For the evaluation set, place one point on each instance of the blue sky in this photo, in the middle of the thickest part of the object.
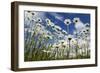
(85, 18)
(58, 19)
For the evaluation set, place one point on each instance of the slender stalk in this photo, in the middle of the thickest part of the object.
(69, 42)
(87, 48)
(76, 44)
(68, 50)
(67, 28)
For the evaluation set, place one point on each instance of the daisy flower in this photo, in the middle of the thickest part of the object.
(48, 21)
(57, 27)
(64, 32)
(70, 37)
(87, 24)
(29, 15)
(67, 21)
(39, 20)
(47, 36)
(73, 41)
(76, 20)
(79, 25)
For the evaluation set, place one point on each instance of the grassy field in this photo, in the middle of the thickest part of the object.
(46, 53)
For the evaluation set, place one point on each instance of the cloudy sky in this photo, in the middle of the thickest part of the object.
(58, 19)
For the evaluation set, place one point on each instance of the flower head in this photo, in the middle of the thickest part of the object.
(57, 27)
(47, 36)
(60, 35)
(56, 45)
(87, 29)
(76, 20)
(39, 20)
(38, 25)
(48, 21)
(52, 24)
(70, 37)
(39, 28)
(33, 20)
(64, 32)
(29, 15)
(87, 25)
(63, 44)
(67, 21)
(82, 31)
(73, 41)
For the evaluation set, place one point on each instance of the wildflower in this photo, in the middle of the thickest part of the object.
(47, 36)
(76, 20)
(33, 20)
(48, 21)
(39, 28)
(79, 25)
(52, 25)
(56, 45)
(73, 41)
(67, 21)
(39, 20)
(87, 25)
(29, 15)
(63, 43)
(46, 51)
(57, 27)
(70, 37)
(60, 35)
(87, 29)
(64, 32)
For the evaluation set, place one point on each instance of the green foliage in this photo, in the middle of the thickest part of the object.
(34, 51)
